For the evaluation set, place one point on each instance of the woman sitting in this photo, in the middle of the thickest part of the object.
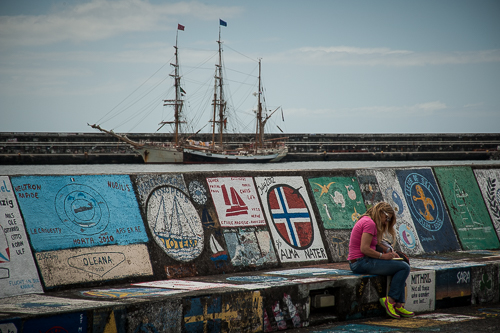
(364, 259)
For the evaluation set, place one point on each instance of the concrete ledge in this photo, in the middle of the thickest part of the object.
(226, 251)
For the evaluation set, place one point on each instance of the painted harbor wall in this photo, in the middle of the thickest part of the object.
(64, 232)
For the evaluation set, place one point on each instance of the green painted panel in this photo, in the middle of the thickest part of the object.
(466, 208)
(339, 201)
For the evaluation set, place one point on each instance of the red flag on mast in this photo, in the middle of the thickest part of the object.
(180, 27)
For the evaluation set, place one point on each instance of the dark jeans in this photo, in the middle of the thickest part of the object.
(399, 270)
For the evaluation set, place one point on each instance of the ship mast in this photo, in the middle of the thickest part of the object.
(219, 115)
(259, 132)
(177, 103)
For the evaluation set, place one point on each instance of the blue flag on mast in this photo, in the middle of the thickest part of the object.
(223, 23)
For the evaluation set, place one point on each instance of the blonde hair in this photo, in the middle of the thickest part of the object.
(374, 213)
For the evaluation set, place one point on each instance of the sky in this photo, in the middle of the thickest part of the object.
(328, 66)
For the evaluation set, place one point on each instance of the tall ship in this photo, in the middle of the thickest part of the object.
(161, 152)
(185, 150)
(259, 151)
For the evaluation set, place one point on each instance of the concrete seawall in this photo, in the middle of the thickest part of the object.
(253, 251)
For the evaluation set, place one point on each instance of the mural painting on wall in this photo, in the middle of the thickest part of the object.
(369, 187)
(407, 240)
(485, 284)
(338, 243)
(107, 321)
(489, 183)
(293, 225)
(467, 209)
(214, 239)
(68, 322)
(18, 273)
(173, 222)
(233, 312)
(421, 291)
(427, 209)
(64, 212)
(240, 215)
(453, 285)
(284, 310)
(339, 201)
(80, 227)
(100, 263)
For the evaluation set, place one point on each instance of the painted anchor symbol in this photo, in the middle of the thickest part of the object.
(426, 201)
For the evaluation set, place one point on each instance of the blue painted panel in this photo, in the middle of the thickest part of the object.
(427, 210)
(63, 212)
(70, 322)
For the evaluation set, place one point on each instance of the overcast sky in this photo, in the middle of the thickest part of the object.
(374, 66)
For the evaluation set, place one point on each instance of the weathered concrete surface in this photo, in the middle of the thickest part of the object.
(210, 251)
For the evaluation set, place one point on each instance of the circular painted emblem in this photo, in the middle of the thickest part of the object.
(256, 278)
(407, 236)
(198, 192)
(290, 216)
(174, 223)
(82, 209)
(399, 202)
(424, 202)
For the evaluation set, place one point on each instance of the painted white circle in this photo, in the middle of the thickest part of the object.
(174, 223)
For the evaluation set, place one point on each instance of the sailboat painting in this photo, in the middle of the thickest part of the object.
(175, 224)
(219, 255)
(236, 201)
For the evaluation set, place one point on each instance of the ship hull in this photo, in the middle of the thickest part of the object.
(200, 156)
(153, 154)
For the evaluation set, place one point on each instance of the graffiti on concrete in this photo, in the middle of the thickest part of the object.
(68, 322)
(198, 192)
(236, 201)
(338, 243)
(369, 187)
(175, 223)
(18, 273)
(107, 320)
(293, 225)
(284, 314)
(421, 291)
(484, 284)
(183, 284)
(64, 212)
(427, 209)
(232, 312)
(93, 264)
(120, 293)
(35, 304)
(489, 183)
(339, 201)
(250, 247)
(310, 272)
(467, 209)
(407, 236)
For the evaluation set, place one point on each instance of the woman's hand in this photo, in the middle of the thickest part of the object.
(389, 255)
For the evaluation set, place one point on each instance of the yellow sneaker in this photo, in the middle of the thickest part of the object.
(404, 313)
(389, 308)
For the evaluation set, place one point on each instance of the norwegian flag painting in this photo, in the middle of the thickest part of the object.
(291, 216)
